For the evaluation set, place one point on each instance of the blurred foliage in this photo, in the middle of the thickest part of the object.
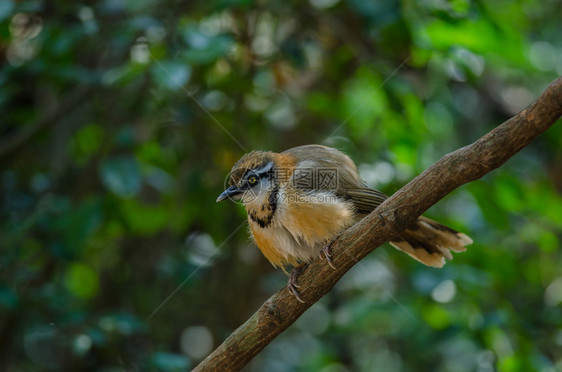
(120, 119)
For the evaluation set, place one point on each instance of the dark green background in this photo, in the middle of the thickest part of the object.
(114, 146)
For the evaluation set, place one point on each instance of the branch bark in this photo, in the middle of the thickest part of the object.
(394, 215)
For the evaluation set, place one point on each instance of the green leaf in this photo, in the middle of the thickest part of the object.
(204, 48)
(121, 175)
(123, 74)
(144, 219)
(80, 223)
(363, 102)
(81, 280)
(86, 142)
(509, 364)
(548, 241)
(480, 36)
(509, 193)
(171, 75)
(493, 212)
(436, 316)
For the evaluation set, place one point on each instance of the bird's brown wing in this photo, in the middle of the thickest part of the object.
(321, 168)
(365, 199)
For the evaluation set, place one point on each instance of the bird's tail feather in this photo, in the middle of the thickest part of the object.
(430, 242)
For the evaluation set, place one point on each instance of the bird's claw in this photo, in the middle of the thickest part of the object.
(292, 284)
(325, 254)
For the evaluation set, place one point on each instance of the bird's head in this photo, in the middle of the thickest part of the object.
(251, 178)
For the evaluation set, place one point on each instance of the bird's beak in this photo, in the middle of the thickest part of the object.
(228, 193)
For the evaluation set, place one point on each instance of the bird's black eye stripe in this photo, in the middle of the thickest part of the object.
(252, 176)
(263, 174)
(268, 173)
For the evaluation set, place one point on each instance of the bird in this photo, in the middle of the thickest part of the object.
(300, 200)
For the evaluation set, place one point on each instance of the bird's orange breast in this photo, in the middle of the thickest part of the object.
(315, 217)
(303, 222)
(269, 246)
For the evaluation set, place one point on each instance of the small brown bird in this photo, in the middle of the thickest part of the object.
(299, 200)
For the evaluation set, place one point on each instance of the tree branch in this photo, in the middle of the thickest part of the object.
(394, 215)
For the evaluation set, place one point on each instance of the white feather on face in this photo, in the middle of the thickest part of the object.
(256, 196)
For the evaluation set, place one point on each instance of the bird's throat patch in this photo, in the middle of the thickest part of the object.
(263, 215)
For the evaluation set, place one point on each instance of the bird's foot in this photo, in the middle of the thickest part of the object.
(292, 284)
(325, 253)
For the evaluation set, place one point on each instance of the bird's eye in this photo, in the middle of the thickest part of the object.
(252, 180)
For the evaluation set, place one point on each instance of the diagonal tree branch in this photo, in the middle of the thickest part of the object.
(395, 214)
